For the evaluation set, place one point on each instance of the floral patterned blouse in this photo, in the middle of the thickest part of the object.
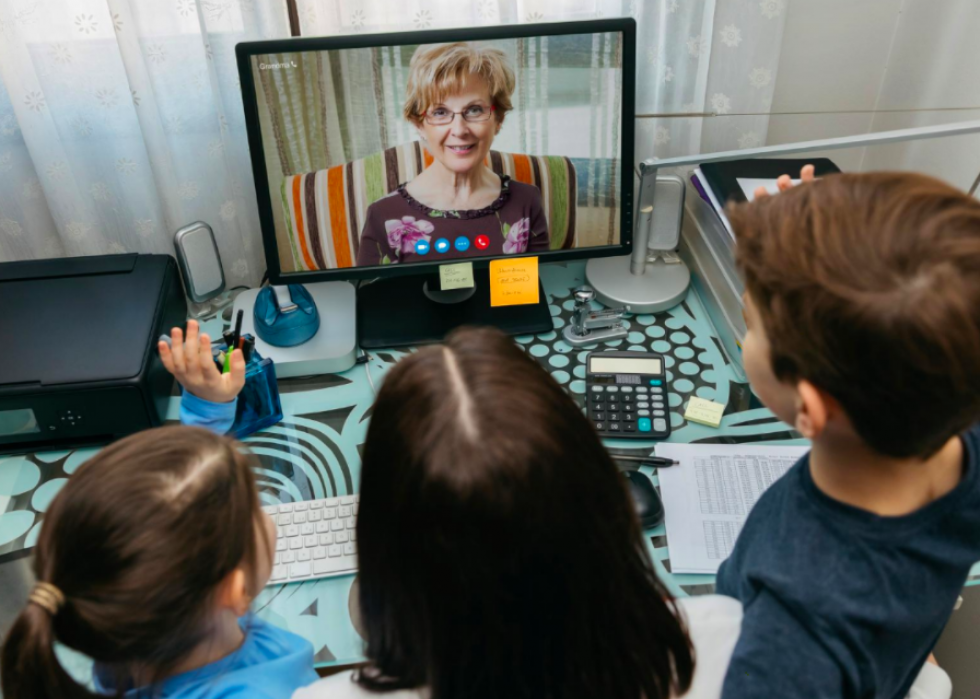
(398, 228)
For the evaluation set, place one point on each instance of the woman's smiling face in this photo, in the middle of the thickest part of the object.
(461, 145)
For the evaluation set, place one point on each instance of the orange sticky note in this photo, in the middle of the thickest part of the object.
(514, 281)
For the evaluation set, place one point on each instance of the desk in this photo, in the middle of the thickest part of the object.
(315, 451)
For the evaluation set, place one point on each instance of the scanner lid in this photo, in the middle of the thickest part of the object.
(76, 320)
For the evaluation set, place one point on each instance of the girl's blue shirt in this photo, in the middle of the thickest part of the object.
(270, 664)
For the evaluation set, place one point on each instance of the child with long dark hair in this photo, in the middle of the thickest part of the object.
(499, 551)
(147, 562)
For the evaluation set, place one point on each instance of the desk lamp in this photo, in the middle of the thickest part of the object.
(646, 282)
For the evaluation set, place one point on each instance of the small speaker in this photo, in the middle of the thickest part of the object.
(200, 263)
(668, 212)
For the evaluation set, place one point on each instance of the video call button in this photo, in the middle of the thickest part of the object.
(442, 245)
(482, 242)
(462, 243)
(421, 247)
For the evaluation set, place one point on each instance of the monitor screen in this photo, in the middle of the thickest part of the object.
(434, 147)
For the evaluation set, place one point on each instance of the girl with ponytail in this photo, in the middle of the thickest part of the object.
(147, 562)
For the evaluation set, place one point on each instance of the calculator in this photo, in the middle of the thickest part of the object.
(626, 394)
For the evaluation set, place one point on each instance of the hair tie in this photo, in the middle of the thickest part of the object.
(48, 597)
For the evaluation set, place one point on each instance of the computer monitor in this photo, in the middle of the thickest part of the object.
(356, 142)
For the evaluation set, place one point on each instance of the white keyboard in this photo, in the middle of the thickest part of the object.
(316, 539)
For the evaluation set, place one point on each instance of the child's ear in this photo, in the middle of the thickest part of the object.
(233, 593)
(814, 409)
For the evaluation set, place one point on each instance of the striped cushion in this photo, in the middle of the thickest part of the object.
(324, 210)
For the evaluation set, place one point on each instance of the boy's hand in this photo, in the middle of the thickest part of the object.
(190, 361)
(786, 182)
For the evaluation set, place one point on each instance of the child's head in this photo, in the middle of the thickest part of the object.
(499, 551)
(149, 543)
(863, 303)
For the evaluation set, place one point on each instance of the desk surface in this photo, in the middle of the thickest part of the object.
(315, 451)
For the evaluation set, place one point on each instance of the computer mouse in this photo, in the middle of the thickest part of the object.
(649, 507)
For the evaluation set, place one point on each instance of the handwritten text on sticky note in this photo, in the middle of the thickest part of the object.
(458, 276)
(514, 282)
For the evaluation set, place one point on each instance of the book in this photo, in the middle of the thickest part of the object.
(736, 180)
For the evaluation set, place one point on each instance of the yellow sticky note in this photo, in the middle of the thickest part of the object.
(458, 276)
(705, 412)
(514, 281)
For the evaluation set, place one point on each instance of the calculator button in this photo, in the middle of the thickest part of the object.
(641, 389)
(643, 424)
(613, 389)
(642, 412)
(614, 427)
(598, 416)
(660, 425)
(600, 426)
(627, 389)
(629, 427)
(655, 382)
(628, 399)
(614, 417)
(658, 413)
(628, 417)
(597, 389)
(656, 390)
(642, 404)
(658, 405)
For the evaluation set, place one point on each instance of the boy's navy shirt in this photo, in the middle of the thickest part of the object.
(840, 602)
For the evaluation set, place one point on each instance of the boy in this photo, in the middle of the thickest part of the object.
(863, 312)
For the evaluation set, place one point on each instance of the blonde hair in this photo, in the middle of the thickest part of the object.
(441, 69)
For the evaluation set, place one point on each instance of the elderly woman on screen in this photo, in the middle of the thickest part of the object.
(458, 96)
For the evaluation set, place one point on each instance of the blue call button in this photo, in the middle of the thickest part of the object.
(462, 243)
(442, 245)
(422, 247)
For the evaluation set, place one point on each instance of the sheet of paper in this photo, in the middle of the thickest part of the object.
(710, 493)
(514, 281)
(750, 184)
(458, 276)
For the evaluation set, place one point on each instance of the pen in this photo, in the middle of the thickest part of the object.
(234, 340)
(659, 461)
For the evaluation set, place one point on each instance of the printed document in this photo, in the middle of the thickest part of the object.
(710, 493)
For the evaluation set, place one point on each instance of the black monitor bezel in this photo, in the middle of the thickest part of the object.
(244, 51)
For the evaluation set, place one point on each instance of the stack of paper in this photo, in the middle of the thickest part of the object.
(708, 496)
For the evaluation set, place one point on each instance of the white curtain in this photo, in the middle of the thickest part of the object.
(121, 120)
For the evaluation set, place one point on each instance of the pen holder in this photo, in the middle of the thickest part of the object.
(258, 404)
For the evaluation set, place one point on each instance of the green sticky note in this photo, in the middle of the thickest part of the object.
(458, 276)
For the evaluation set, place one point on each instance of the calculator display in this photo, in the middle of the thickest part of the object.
(624, 365)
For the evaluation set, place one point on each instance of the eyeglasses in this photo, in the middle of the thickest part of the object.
(475, 113)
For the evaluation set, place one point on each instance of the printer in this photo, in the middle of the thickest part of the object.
(78, 360)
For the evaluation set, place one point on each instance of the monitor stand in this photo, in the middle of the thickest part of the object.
(401, 311)
(334, 347)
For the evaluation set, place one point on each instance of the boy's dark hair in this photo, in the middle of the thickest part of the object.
(868, 286)
(499, 551)
(137, 541)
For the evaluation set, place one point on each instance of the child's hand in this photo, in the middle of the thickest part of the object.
(190, 361)
(786, 182)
